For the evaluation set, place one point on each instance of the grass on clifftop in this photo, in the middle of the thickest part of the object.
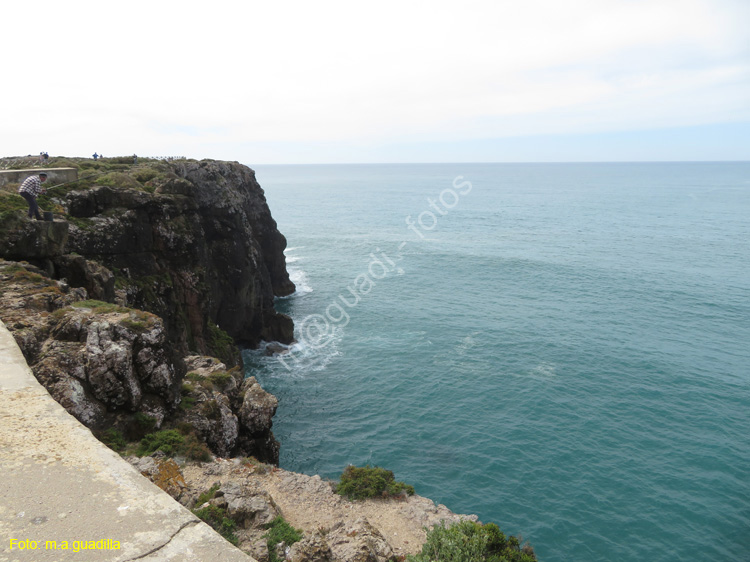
(358, 483)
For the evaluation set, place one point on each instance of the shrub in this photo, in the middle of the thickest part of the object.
(211, 409)
(140, 426)
(167, 440)
(280, 531)
(145, 174)
(220, 378)
(217, 518)
(195, 450)
(118, 179)
(113, 439)
(370, 482)
(468, 541)
(207, 495)
(187, 402)
(219, 343)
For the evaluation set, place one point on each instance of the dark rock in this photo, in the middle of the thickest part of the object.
(98, 281)
(203, 250)
(33, 240)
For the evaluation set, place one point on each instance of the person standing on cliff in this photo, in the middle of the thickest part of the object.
(30, 190)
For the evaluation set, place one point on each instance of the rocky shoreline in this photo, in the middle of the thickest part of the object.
(127, 308)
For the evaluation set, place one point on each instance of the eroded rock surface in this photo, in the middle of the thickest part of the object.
(334, 529)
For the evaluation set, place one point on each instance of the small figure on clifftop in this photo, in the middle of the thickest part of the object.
(96, 156)
(30, 189)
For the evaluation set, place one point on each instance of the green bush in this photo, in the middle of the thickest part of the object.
(220, 378)
(217, 518)
(468, 541)
(169, 441)
(195, 449)
(113, 439)
(280, 531)
(219, 343)
(207, 495)
(370, 482)
(140, 426)
(118, 179)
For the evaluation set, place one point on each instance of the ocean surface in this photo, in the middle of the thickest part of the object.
(563, 349)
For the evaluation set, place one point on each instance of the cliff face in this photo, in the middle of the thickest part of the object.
(202, 250)
(189, 259)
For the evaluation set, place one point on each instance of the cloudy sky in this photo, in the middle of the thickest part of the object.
(388, 81)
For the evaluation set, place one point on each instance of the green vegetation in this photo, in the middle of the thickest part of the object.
(172, 442)
(211, 409)
(140, 426)
(169, 441)
(187, 401)
(113, 439)
(207, 495)
(220, 378)
(100, 307)
(219, 343)
(370, 482)
(217, 518)
(118, 180)
(468, 541)
(195, 449)
(280, 531)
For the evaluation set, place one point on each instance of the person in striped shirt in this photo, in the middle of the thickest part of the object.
(30, 189)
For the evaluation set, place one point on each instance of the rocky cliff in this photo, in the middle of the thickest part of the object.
(192, 242)
(183, 260)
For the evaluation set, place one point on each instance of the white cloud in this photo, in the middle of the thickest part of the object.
(163, 77)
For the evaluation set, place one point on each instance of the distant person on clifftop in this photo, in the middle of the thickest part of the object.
(96, 156)
(30, 190)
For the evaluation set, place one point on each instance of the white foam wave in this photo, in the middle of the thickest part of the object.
(300, 280)
(302, 358)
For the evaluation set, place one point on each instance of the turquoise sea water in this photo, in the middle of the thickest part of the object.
(559, 348)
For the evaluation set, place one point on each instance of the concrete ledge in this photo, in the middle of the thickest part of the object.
(59, 483)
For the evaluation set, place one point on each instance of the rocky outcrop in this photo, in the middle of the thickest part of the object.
(253, 494)
(231, 414)
(184, 259)
(114, 367)
(33, 240)
(192, 242)
(201, 250)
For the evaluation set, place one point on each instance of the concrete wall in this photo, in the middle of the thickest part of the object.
(58, 483)
(54, 175)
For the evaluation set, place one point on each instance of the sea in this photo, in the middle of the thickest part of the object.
(562, 349)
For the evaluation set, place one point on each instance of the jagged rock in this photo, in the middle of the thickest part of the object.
(249, 507)
(216, 397)
(202, 250)
(98, 281)
(163, 472)
(258, 407)
(313, 548)
(33, 240)
(359, 542)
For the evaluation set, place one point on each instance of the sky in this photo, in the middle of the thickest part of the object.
(389, 81)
